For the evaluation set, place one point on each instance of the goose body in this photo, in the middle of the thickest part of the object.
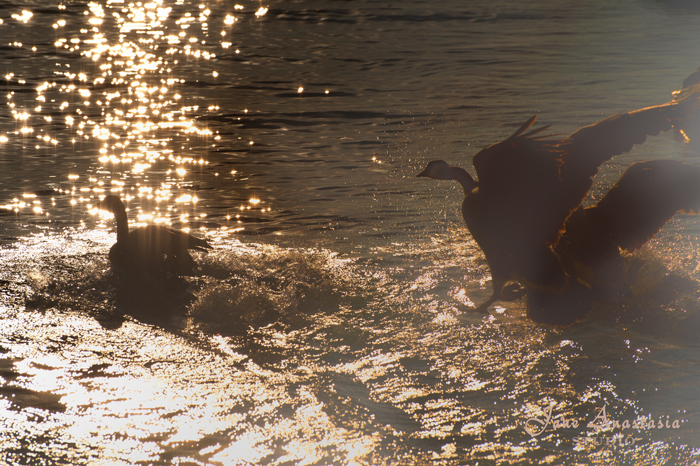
(529, 192)
(153, 248)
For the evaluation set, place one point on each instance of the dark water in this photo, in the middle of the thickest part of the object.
(330, 323)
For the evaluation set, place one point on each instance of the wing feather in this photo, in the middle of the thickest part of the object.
(641, 202)
(586, 149)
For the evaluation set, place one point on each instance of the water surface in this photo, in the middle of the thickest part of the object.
(331, 323)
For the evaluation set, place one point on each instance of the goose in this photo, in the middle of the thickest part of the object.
(152, 248)
(639, 204)
(529, 192)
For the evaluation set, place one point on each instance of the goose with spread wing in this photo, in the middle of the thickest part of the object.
(529, 185)
(153, 248)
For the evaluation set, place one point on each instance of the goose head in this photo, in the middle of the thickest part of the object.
(441, 170)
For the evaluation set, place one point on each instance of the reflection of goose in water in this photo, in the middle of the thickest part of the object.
(153, 248)
(529, 185)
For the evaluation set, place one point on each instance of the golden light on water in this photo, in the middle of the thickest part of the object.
(368, 359)
(24, 17)
(129, 106)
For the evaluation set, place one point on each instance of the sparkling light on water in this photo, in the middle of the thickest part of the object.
(128, 108)
(336, 327)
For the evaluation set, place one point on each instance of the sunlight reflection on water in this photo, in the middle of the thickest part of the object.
(128, 110)
(340, 332)
(329, 378)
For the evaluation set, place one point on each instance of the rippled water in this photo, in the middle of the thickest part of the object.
(331, 323)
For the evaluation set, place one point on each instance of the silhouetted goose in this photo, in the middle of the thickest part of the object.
(638, 205)
(530, 184)
(153, 248)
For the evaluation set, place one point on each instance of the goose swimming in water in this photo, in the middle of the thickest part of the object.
(529, 192)
(153, 248)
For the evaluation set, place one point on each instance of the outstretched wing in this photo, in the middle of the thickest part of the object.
(689, 129)
(184, 241)
(519, 181)
(517, 162)
(586, 149)
(539, 180)
(641, 202)
(156, 241)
